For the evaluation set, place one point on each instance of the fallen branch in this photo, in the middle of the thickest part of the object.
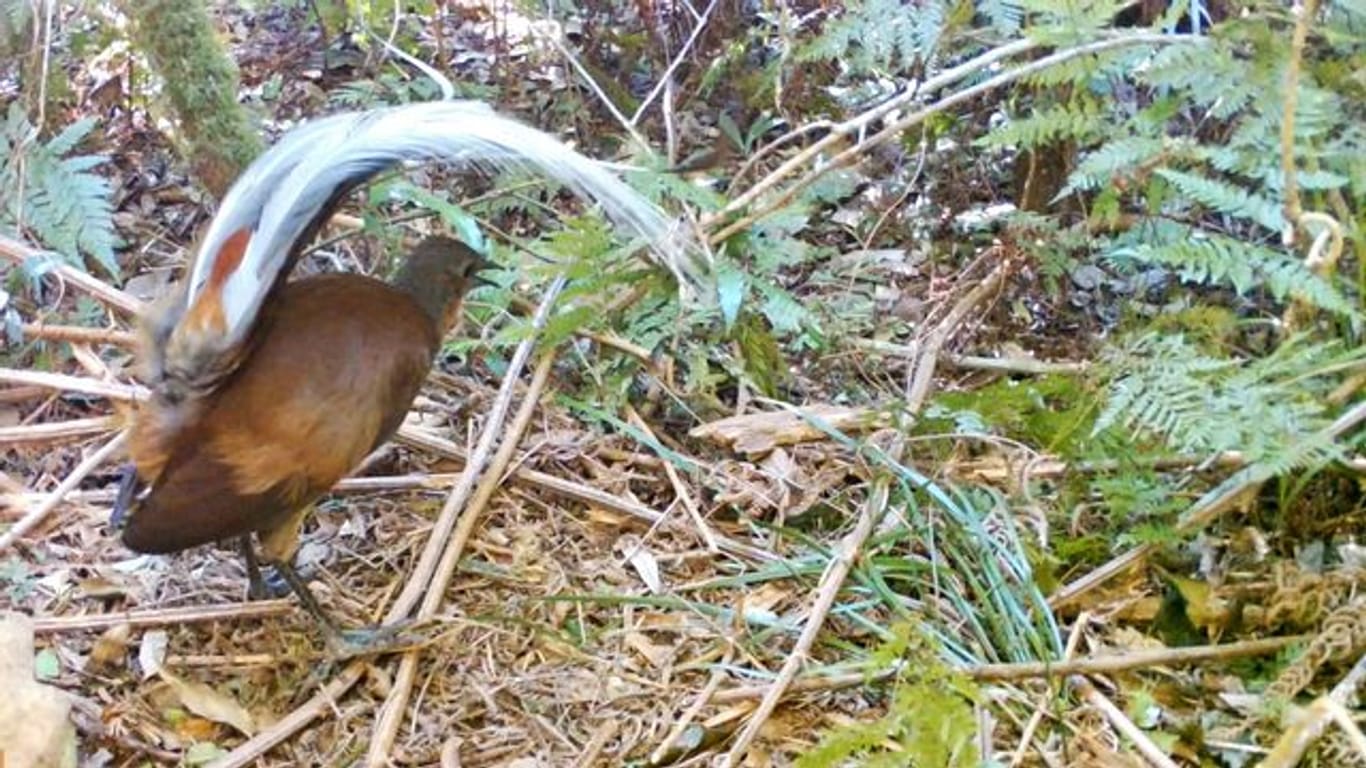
(841, 562)
(20, 253)
(57, 430)
(162, 617)
(391, 712)
(1094, 665)
(78, 334)
(59, 381)
(82, 470)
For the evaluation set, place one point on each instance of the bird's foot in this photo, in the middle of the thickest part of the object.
(266, 586)
(383, 638)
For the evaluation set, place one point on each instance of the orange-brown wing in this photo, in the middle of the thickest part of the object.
(337, 363)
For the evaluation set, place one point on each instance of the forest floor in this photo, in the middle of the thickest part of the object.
(635, 585)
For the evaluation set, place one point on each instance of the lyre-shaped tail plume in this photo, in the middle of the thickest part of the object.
(286, 193)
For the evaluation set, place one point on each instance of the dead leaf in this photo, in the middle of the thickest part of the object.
(641, 559)
(99, 588)
(758, 433)
(110, 648)
(657, 655)
(209, 703)
(152, 652)
(35, 727)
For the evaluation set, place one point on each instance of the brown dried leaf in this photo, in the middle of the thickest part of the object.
(111, 647)
(759, 433)
(35, 727)
(209, 703)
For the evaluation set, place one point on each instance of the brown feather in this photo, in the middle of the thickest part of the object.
(339, 361)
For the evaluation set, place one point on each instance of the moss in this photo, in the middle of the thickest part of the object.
(218, 137)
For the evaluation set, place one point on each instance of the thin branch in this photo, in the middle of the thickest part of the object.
(680, 489)
(1290, 175)
(438, 560)
(1154, 755)
(1047, 696)
(19, 253)
(91, 463)
(569, 56)
(892, 131)
(78, 334)
(251, 750)
(162, 617)
(1093, 665)
(109, 389)
(57, 430)
(841, 562)
(673, 65)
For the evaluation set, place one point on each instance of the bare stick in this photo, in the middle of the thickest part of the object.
(680, 490)
(162, 617)
(82, 470)
(673, 65)
(251, 750)
(1028, 735)
(1094, 665)
(1289, 174)
(57, 430)
(1325, 710)
(576, 491)
(1121, 722)
(427, 583)
(860, 122)
(18, 253)
(108, 389)
(890, 132)
(841, 561)
(922, 376)
(629, 127)
(76, 333)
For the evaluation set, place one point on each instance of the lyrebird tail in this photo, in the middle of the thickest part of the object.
(288, 192)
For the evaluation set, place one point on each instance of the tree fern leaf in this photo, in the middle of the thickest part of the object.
(1226, 198)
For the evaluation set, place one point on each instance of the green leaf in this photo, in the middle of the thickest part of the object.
(203, 753)
(46, 665)
(731, 287)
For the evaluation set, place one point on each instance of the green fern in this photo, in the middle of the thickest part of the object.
(877, 35)
(929, 719)
(1205, 258)
(1082, 120)
(55, 197)
(1268, 408)
(1097, 167)
(1226, 197)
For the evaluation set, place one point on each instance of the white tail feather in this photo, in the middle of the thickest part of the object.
(285, 190)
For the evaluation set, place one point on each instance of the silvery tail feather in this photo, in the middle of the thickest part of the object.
(287, 191)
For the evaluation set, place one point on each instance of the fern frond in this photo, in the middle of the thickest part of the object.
(1065, 121)
(876, 35)
(1097, 167)
(1216, 260)
(58, 198)
(1227, 198)
(1270, 408)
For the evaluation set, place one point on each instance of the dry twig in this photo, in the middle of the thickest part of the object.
(91, 463)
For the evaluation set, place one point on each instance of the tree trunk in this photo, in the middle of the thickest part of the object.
(217, 135)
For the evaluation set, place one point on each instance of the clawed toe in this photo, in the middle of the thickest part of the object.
(384, 638)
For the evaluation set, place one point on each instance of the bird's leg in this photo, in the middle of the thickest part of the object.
(305, 595)
(277, 546)
(346, 643)
(257, 588)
